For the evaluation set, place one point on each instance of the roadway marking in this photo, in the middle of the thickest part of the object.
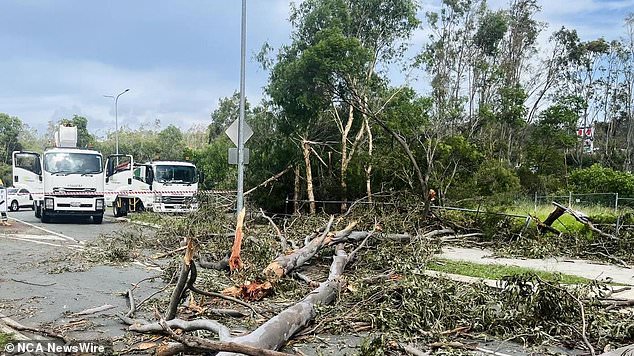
(25, 238)
(46, 230)
(38, 237)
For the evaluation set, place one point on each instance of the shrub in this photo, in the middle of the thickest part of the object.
(494, 177)
(597, 179)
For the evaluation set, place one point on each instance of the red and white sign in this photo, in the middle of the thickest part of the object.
(585, 131)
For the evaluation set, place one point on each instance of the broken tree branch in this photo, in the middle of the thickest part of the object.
(282, 265)
(17, 326)
(283, 243)
(94, 310)
(234, 261)
(212, 345)
(217, 328)
(179, 290)
(272, 178)
(221, 265)
(132, 303)
(190, 286)
(274, 333)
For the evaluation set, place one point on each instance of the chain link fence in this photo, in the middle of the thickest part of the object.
(610, 201)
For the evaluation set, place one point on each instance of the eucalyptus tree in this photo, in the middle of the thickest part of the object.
(332, 72)
(583, 74)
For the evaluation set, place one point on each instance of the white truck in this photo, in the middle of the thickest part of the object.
(158, 186)
(64, 181)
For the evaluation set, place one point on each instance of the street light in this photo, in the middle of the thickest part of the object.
(116, 117)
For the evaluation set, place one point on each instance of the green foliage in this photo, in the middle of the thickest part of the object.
(213, 162)
(147, 143)
(84, 138)
(490, 32)
(4, 339)
(597, 179)
(550, 137)
(498, 271)
(171, 144)
(227, 111)
(456, 160)
(10, 127)
(494, 177)
(6, 174)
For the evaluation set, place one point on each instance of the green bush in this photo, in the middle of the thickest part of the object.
(493, 177)
(597, 179)
(5, 174)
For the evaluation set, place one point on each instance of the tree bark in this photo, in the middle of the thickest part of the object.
(234, 261)
(309, 178)
(274, 333)
(296, 191)
(282, 265)
(181, 283)
(271, 335)
(368, 168)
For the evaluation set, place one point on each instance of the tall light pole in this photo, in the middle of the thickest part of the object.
(116, 117)
(243, 50)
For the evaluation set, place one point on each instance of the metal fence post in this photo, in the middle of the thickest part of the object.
(570, 199)
(616, 203)
(535, 202)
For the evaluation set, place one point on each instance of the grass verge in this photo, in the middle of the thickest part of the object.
(496, 272)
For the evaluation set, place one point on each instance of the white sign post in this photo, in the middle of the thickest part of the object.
(4, 205)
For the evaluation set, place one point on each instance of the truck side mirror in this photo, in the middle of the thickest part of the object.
(201, 177)
(38, 169)
(149, 175)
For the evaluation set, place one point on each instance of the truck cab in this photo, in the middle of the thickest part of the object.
(158, 186)
(64, 181)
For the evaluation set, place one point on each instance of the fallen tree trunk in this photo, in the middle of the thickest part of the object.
(274, 333)
(579, 216)
(284, 264)
(271, 335)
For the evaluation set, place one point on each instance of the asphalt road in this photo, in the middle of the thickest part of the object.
(79, 229)
(45, 281)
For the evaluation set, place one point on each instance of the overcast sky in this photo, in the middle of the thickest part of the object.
(59, 57)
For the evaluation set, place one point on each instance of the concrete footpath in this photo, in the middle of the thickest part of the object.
(581, 268)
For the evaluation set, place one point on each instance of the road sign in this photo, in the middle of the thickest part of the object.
(232, 132)
(233, 155)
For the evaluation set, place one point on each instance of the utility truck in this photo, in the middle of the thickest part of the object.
(64, 180)
(158, 186)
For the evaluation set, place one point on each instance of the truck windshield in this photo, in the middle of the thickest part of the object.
(175, 174)
(72, 163)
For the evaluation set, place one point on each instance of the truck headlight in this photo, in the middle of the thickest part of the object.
(48, 204)
(157, 198)
(99, 204)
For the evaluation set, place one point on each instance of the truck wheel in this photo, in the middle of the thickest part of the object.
(116, 211)
(15, 206)
(119, 211)
(38, 211)
(97, 219)
(45, 217)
